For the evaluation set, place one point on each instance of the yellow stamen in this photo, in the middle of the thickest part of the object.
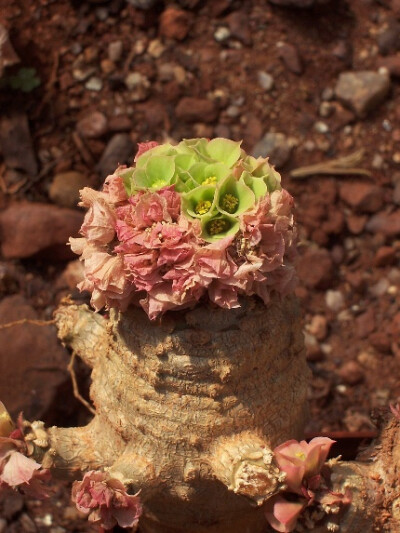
(300, 455)
(217, 226)
(229, 203)
(210, 181)
(202, 207)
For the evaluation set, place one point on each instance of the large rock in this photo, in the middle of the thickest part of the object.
(65, 187)
(386, 223)
(32, 362)
(362, 196)
(93, 125)
(290, 57)
(28, 228)
(192, 109)
(276, 146)
(175, 23)
(315, 268)
(362, 91)
(119, 151)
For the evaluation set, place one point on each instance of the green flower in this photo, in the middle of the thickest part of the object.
(260, 168)
(257, 185)
(234, 197)
(215, 227)
(157, 172)
(199, 201)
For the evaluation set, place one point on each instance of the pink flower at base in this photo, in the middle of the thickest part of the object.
(106, 501)
(282, 514)
(302, 462)
(17, 471)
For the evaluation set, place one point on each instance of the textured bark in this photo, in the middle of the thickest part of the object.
(188, 408)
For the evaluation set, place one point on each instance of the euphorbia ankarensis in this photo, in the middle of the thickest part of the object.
(195, 220)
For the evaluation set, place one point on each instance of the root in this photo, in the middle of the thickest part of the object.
(27, 321)
(75, 387)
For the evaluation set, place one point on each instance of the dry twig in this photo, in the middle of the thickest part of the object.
(336, 167)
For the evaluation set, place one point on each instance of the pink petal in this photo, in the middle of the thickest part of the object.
(18, 469)
(143, 147)
(281, 514)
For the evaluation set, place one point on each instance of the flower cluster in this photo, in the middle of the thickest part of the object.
(106, 501)
(302, 463)
(17, 471)
(199, 219)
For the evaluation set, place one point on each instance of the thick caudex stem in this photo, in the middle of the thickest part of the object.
(189, 409)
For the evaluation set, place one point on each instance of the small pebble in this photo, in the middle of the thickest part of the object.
(221, 34)
(94, 84)
(327, 94)
(156, 48)
(380, 288)
(115, 51)
(377, 161)
(102, 13)
(265, 80)
(334, 300)
(321, 127)
(326, 109)
(351, 373)
(76, 48)
(233, 111)
(318, 327)
(386, 125)
(82, 73)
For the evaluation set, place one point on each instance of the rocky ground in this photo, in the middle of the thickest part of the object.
(83, 81)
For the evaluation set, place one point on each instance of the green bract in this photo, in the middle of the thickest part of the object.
(234, 197)
(217, 180)
(215, 227)
(199, 201)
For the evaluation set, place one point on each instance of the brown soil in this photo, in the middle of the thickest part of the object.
(353, 344)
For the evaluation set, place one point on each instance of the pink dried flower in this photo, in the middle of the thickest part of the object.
(143, 147)
(302, 462)
(99, 223)
(106, 501)
(18, 471)
(114, 188)
(104, 275)
(282, 514)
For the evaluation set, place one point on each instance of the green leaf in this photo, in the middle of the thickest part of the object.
(25, 80)
(224, 151)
